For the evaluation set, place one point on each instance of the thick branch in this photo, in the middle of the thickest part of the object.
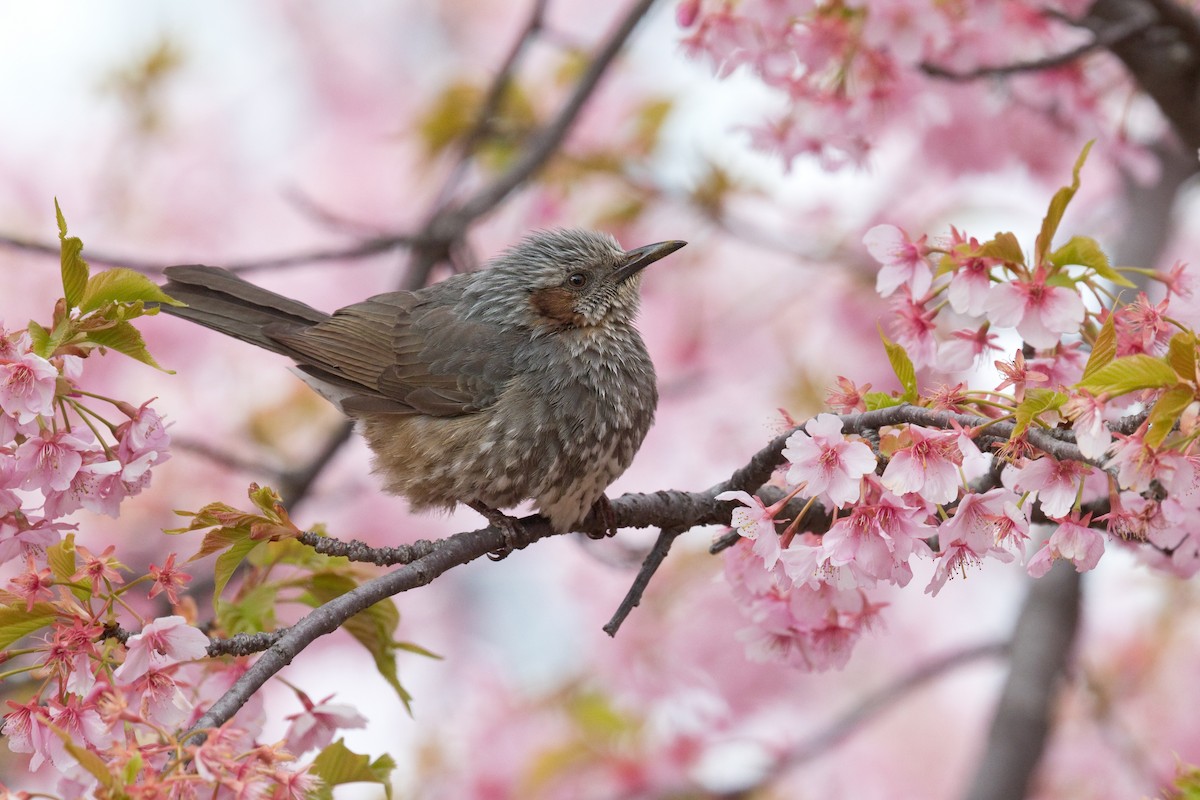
(1164, 57)
(1041, 644)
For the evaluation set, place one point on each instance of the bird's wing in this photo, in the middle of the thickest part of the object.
(406, 353)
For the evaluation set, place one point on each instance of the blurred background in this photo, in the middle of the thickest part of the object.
(248, 134)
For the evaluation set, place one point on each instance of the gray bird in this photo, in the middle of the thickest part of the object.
(524, 380)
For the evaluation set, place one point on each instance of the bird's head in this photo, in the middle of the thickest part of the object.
(576, 278)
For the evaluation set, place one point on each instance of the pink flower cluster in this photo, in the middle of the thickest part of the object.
(853, 72)
(60, 459)
(110, 712)
(809, 596)
(939, 496)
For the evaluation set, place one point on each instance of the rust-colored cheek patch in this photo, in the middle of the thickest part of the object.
(556, 305)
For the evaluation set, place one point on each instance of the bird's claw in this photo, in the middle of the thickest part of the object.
(603, 510)
(509, 528)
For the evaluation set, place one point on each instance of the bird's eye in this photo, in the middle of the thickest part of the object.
(577, 280)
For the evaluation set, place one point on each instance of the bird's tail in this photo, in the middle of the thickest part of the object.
(218, 299)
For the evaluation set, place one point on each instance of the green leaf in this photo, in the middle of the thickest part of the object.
(39, 339)
(1181, 355)
(1003, 247)
(74, 268)
(903, 367)
(1166, 412)
(1058, 205)
(1085, 251)
(121, 285)
(17, 623)
(1130, 374)
(1036, 402)
(124, 338)
(61, 558)
(338, 764)
(878, 400)
(1104, 350)
(252, 612)
(373, 627)
(89, 760)
(229, 561)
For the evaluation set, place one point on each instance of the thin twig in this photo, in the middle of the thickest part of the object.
(364, 249)
(295, 485)
(491, 101)
(653, 560)
(1102, 40)
(879, 701)
(448, 225)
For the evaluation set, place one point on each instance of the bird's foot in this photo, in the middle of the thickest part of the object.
(603, 510)
(508, 527)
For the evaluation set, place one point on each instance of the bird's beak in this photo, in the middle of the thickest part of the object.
(642, 257)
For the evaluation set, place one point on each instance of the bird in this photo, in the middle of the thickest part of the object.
(523, 380)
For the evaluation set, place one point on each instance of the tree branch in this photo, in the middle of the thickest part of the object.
(876, 703)
(1041, 643)
(449, 224)
(654, 559)
(1103, 39)
(364, 249)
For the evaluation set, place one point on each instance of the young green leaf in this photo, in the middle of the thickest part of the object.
(1181, 355)
(74, 268)
(1166, 412)
(903, 367)
(228, 562)
(17, 623)
(1085, 251)
(1036, 402)
(1058, 205)
(1130, 374)
(124, 338)
(338, 764)
(1104, 350)
(877, 400)
(121, 285)
(1003, 247)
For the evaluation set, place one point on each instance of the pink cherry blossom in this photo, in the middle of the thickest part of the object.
(27, 387)
(50, 461)
(22, 534)
(877, 540)
(1040, 312)
(1090, 427)
(1055, 482)
(162, 643)
(970, 536)
(158, 698)
(915, 330)
(144, 433)
(928, 466)
(80, 719)
(33, 584)
(826, 462)
(969, 287)
(1074, 540)
(315, 727)
(903, 261)
(755, 522)
(1136, 462)
(26, 731)
(965, 348)
(1142, 327)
